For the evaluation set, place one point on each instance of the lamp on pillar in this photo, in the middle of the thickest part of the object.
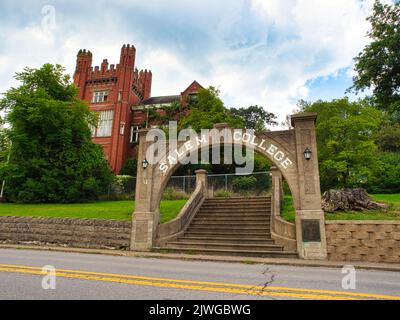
(307, 153)
(145, 163)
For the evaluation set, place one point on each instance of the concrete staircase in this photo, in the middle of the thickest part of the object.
(233, 227)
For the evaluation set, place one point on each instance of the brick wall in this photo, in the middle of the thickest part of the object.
(84, 233)
(372, 241)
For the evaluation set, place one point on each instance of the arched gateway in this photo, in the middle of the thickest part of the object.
(286, 149)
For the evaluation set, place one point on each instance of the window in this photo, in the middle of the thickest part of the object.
(105, 123)
(100, 96)
(192, 97)
(134, 134)
(93, 130)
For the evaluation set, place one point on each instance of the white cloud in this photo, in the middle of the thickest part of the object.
(24, 47)
(266, 53)
(170, 75)
(318, 39)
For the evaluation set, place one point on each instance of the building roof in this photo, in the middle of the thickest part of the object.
(194, 85)
(161, 100)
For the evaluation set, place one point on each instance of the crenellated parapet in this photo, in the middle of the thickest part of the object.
(86, 74)
(145, 79)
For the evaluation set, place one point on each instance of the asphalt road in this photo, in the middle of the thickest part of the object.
(85, 276)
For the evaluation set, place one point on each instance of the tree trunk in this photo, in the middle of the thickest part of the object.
(349, 200)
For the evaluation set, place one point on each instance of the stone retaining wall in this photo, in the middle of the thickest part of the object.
(372, 241)
(84, 233)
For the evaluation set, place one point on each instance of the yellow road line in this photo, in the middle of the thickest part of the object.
(251, 288)
(180, 286)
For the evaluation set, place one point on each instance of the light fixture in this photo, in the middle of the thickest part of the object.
(145, 163)
(307, 154)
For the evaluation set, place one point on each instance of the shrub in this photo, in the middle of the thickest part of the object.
(129, 168)
(122, 188)
(244, 184)
(174, 194)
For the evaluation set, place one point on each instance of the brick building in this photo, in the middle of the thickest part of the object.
(122, 96)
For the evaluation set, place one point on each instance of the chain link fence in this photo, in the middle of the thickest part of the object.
(122, 188)
(227, 185)
(181, 187)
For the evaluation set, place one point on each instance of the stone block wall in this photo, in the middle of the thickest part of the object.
(83, 233)
(370, 241)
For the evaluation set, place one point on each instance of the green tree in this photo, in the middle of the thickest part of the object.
(346, 146)
(4, 142)
(207, 110)
(129, 168)
(52, 157)
(255, 117)
(386, 176)
(388, 138)
(378, 65)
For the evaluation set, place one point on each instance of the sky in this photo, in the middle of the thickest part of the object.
(256, 52)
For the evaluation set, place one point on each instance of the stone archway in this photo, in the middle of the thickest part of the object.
(286, 151)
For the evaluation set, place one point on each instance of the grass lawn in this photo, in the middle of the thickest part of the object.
(287, 209)
(392, 213)
(116, 210)
(122, 210)
(393, 199)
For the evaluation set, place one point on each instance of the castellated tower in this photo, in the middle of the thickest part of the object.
(111, 90)
(83, 67)
(145, 78)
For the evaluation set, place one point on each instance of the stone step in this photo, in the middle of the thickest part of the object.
(240, 204)
(249, 228)
(227, 202)
(235, 214)
(223, 245)
(227, 234)
(230, 224)
(200, 239)
(230, 219)
(246, 199)
(230, 233)
(241, 253)
(232, 228)
(236, 208)
(236, 200)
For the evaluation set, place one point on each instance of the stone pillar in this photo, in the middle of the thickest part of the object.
(201, 178)
(310, 222)
(146, 216)
(276, 198)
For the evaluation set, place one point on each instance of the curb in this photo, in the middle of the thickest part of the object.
(208, 258)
